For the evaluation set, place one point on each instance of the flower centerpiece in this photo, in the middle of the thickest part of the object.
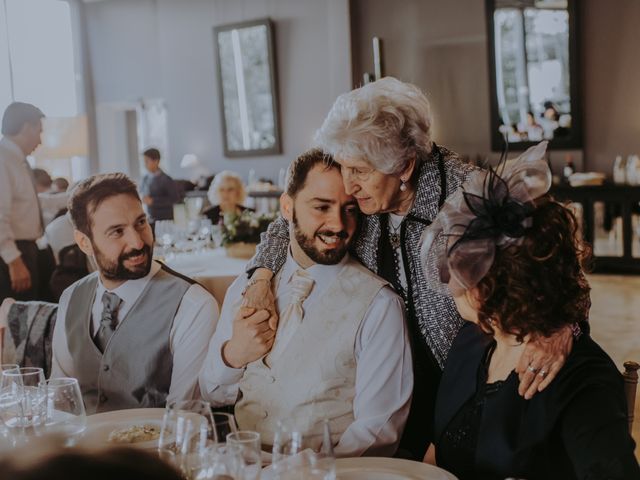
(241, 232)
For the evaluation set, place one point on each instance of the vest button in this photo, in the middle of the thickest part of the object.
(105, 368)
(103, 398)
(272, 379)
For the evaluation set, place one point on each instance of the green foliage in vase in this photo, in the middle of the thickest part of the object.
(244, 227)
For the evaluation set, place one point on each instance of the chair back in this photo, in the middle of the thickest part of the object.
(630, 386)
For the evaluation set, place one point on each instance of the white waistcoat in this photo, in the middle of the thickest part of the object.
(314, 378)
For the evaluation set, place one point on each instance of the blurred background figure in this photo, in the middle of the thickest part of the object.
(158, 190)
(53, 202)
(59, 185)
(227, 195)
(21, 221)
(54, 464)
(42, 180)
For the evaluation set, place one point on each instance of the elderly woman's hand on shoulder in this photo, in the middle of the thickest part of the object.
(258, 295)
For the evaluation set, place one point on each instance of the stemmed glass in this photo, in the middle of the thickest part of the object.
(188, 430)
(23, 405)
(65, 408)
(204, 233)
(297, 454)
(250, 449)
(224, 424)
(165, 235)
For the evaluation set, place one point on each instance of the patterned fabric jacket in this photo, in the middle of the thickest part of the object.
(30, 328)
(435, 315)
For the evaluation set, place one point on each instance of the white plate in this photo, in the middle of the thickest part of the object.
(374, 468)
(100, 425)
(379, 468)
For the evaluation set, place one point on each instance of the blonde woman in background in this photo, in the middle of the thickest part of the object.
(226, 194)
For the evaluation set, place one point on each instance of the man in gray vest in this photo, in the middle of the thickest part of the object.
(340, 350)
(134, 333)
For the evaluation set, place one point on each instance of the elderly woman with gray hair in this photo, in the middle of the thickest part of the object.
(226, 194)
(380, 134)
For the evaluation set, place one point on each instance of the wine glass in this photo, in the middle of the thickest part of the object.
(250, 450)
(224, 424)
(65, 408)
(165, 235)
(188, 430)
(204, 233)
(297, 454)
(8, 366)
(23, 400)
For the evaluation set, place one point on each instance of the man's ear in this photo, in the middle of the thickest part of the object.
(286, 207)
(84, 242)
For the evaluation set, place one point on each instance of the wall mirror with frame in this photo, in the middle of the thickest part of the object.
(532, 48)
(248, 88)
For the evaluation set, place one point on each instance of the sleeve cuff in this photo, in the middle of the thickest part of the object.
(10, 253)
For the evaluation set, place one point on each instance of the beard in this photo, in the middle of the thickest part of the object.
(117, 270)
(331, 256)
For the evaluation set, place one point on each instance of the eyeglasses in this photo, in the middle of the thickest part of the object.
(357, 173)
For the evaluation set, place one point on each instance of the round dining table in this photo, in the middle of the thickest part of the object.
(211, 268)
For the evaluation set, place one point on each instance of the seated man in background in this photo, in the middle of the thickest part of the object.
(341, 349)
(159, 191)
(51, 202)
(134, 333)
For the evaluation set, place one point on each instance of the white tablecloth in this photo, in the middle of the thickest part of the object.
(211, 268)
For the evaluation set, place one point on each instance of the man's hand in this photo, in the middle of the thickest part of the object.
(541, 361)
(252, 338)
(147, 200)
(259, 296)
(20, 276)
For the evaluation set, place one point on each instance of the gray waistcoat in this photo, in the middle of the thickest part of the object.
(135, 369)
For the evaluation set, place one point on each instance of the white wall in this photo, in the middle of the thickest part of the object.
(164, 49)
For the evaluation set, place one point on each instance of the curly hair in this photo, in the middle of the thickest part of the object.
(219, 179)
(385, 122)
(539, 286)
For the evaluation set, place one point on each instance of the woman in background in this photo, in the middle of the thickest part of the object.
(511, 257)
(226, 195)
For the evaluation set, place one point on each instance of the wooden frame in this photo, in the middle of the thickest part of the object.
(574, 139)
(276, 148)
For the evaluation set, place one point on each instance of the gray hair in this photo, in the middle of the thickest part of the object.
(385, 123)
(223, 176)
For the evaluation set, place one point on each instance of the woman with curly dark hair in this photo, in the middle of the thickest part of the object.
(512, 258)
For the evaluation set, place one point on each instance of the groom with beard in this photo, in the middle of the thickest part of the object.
(134, 333)
(340, 350)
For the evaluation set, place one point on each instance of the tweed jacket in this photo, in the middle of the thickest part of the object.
(435, 315)
(30, 334)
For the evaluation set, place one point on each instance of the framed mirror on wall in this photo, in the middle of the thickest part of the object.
(247, 86)
(533, 65)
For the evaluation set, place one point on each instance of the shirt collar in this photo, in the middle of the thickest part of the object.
(321, 274)
(130, 290)
(11, 145)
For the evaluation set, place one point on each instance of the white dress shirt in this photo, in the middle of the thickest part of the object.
(51, 203)
(384, 374)
(19, 207)
(59, 234)
(192, 328)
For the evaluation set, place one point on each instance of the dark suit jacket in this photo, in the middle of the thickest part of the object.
(575, 429)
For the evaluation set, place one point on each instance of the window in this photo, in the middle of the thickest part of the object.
(37, 56)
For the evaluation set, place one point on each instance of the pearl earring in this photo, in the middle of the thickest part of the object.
(403, 186)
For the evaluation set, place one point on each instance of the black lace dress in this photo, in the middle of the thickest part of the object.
(575, 429)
